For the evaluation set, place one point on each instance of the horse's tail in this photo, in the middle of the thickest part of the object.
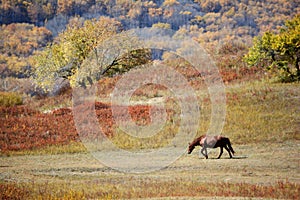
(229, 146)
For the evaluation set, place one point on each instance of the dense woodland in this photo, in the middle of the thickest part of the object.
(226, 28)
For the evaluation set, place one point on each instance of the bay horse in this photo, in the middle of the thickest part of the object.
(211, 142)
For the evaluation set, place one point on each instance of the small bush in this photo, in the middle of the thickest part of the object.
(10, 99)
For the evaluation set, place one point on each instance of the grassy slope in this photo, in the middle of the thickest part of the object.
(256, 113)
(263, 112)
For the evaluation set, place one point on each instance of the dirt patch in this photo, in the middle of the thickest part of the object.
(262, 164)
(268, 170)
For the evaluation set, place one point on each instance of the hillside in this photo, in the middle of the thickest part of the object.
(28, 26)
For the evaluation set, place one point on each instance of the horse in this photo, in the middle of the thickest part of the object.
(211, 142)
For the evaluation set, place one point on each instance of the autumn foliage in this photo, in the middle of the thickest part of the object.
(23, 128)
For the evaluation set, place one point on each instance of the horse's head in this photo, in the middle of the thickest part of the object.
(196, 142)
(191, 148)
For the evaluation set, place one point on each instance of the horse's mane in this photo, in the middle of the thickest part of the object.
(197, 140)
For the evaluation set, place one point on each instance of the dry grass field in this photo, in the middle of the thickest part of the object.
(265, 170)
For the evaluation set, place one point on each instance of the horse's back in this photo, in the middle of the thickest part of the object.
(216, 141)
(211, 141)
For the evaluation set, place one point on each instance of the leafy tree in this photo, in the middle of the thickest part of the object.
(170, 2)
(17, 43)
(13, 11)
(280, 52)
(64, 57)
(162, 25)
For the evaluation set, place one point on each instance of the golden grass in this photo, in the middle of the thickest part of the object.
(263, 112)
(146, 189)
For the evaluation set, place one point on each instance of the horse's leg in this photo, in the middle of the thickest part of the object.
(229, 146)
(221, 152)
(228, 151)
(201, 151)
(204, 149)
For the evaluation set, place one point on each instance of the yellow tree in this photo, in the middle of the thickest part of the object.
(279, 52)
(64, 57)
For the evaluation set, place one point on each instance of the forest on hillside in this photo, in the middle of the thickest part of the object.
(226, 28)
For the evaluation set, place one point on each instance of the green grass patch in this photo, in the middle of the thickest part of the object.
(10, 99)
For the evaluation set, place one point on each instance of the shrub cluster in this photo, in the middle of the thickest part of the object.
(10, 99)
